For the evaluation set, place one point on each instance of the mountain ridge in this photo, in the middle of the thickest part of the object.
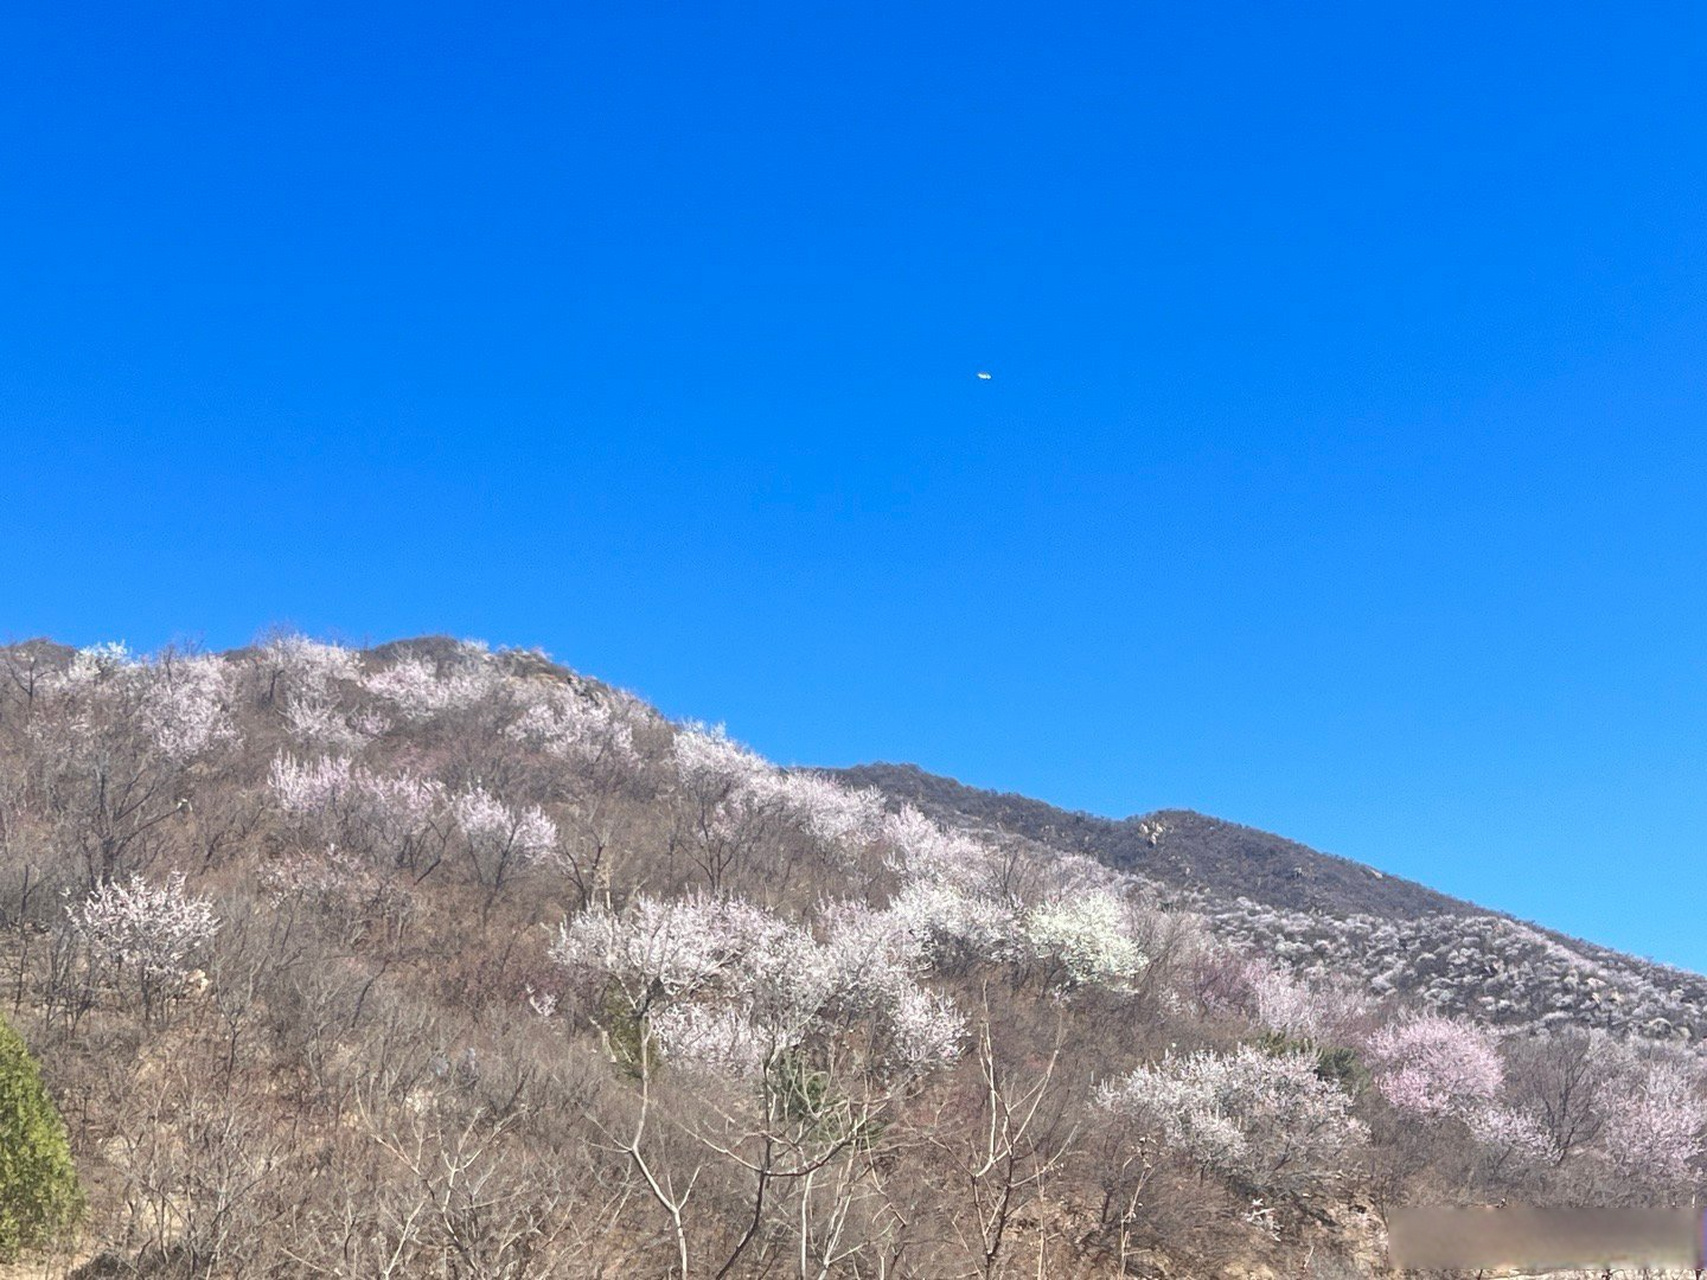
(1158, 845)
(1329, 916)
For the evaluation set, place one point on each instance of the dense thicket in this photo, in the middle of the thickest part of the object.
(430, 961)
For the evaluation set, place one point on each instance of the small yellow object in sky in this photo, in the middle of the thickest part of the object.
(983, 375)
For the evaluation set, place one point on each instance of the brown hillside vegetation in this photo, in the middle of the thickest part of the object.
(432, 961)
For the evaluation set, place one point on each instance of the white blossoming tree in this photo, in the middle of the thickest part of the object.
(1088, 938)
(730, 802)
(307, 682)
(393, 818)
(117, 750)
(799, 1041)
(502, 838)
(152, 933)
(1267, 1123)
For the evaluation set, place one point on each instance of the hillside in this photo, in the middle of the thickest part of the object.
(429, 960)
(1175, 848)
(1329, 916)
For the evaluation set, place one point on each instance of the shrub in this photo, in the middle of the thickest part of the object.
(40, 1199)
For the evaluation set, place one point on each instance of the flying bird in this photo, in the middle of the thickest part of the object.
(983, 375)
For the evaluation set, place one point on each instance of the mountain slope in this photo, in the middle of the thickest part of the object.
(1330, 917)
(1176, 848)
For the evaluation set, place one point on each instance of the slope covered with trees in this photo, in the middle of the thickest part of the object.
(432, 961)
(1325, 916)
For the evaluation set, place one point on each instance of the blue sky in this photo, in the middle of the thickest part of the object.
(1341, 471)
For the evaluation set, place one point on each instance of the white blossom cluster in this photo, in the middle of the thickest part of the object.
(417, 692)
(725, 985)
(151, 929)
(186, 706)
(956, 895)
(952, 894)
(827, 811)
(656, 946)
(576, 727)
(308, 678)
(337, 799)
(97, 662)
(181, 704)
(713, 765)
(496, 831)
(924, 851)
(1511, 1134)
(1089, 934)
(312, 664)
(738, 792)
(1265, 1122)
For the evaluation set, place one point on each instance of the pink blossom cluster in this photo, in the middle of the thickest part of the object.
(153, 929)
(1316, 1014)
(1653, 1121)
(1433, 1066)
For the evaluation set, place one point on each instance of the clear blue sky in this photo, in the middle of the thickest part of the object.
(1342, 470)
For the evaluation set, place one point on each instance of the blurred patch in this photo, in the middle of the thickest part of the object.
(1518, 1237)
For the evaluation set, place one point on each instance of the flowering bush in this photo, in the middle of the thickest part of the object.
(577, 728)
(307, 676)
(1434, 1066)
(417, 692)
(499, 835)
(1089, 935)
(711, 764)
(1510, 1134)
(923, 851)
(1265, 1122)
(336, 801)
(184, 707)
(721, 983)
(1653, 1120)
(830, 813)
(1322, 1015)
(152, 929)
